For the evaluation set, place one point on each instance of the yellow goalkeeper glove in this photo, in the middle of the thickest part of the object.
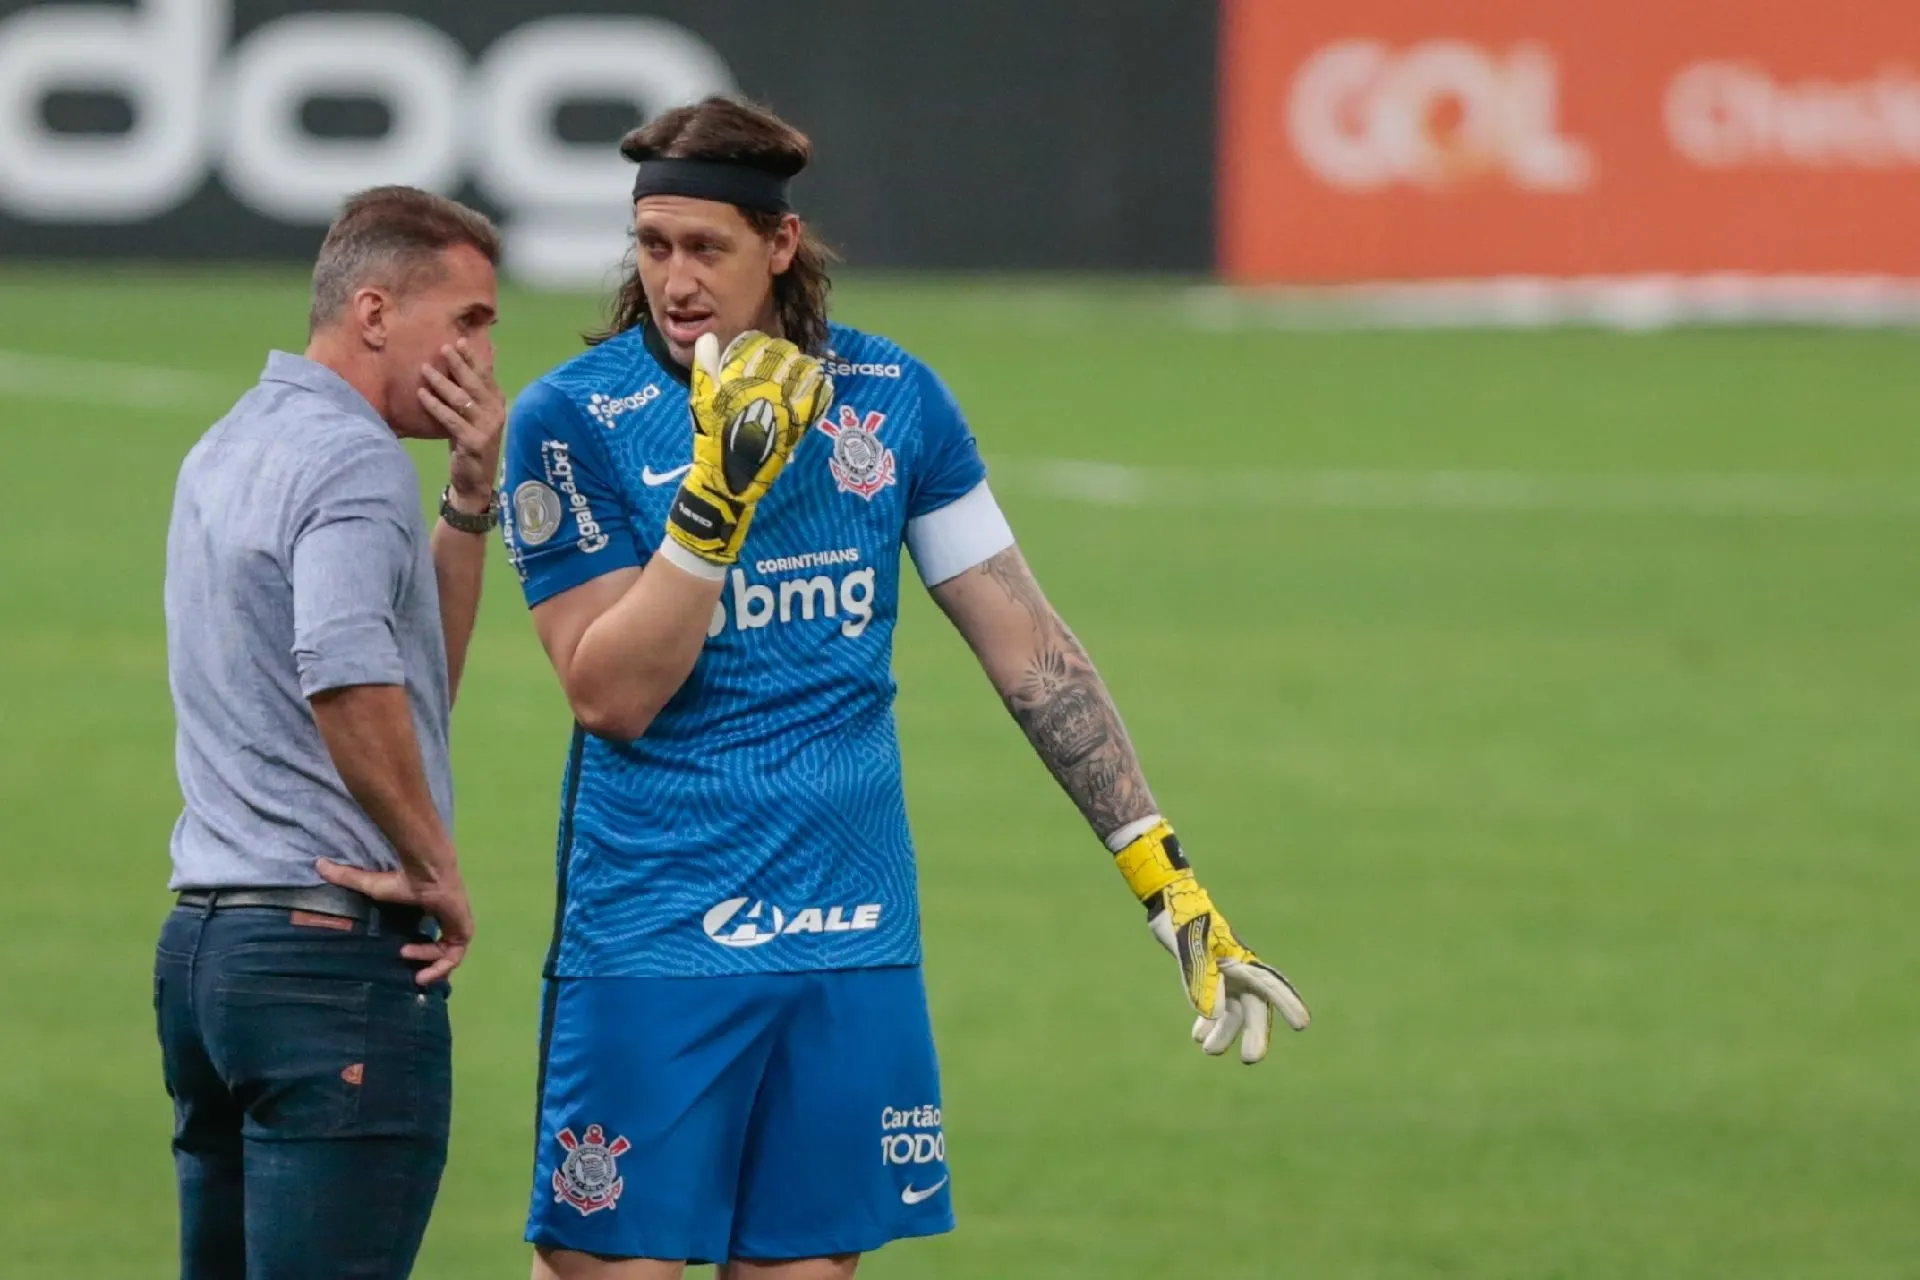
(751, 405)
(1233, 991)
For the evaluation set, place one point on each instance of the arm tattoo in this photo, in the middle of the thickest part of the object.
(1061, 704)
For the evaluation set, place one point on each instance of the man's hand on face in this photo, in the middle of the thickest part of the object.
(467, 402)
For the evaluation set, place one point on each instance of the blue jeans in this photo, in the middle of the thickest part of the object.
(312, 1081)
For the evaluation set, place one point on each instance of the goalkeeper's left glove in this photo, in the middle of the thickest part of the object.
(1233, 991)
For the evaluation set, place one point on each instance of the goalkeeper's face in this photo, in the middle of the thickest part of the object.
(706, 269)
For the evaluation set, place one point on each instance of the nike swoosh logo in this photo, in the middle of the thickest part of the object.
(649, 476)
(911, 1196)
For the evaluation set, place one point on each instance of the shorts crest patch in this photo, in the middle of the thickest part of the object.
(589, 1178)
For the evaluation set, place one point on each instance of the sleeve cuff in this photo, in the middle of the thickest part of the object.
(319, 674)
(576, 569)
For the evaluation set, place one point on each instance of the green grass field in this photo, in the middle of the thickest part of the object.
(1580, 792)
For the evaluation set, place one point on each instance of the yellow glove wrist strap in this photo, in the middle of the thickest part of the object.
(1152, 862)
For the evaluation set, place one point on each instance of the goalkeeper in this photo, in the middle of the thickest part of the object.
(736, 1063)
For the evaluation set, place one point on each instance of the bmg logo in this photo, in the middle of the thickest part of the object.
(199, 105)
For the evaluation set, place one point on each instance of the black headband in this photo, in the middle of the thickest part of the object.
(735, 184)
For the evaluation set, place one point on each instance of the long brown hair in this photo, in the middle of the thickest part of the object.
(739, 133)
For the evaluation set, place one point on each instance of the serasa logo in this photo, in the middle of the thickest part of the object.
(608, 410)
(199, 105)
(751, 922)
(1363, 116)
(842, 369)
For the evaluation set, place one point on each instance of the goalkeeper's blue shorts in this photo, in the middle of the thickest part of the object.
(760, 1116)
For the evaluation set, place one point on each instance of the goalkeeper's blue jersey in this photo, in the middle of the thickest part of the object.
(759, 824)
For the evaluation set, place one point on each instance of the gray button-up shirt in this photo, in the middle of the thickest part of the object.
(297, 562)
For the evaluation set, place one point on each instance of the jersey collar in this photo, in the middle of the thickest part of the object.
(657, 348)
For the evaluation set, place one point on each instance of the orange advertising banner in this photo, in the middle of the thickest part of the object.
(1408, 140)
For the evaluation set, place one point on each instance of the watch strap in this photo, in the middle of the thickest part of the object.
(465, 523)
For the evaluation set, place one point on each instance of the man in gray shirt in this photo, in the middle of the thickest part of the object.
(315, 638)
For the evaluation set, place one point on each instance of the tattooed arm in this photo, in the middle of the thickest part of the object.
(1050, 686)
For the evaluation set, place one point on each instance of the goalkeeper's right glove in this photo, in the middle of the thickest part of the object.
(751, 406)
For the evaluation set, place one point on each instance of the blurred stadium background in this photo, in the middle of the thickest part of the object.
(1541, 691)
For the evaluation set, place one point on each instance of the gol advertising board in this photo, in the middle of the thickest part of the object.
(1399, 139)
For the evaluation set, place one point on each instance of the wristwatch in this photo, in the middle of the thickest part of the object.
(458, 519)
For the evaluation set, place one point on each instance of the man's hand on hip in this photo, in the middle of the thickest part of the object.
(445, 899)
(468, 403)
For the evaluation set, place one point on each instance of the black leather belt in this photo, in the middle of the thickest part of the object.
(320, 899)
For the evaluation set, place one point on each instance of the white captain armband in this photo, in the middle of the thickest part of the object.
(968, 531)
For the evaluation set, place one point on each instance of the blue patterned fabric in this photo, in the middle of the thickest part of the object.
(759, 825)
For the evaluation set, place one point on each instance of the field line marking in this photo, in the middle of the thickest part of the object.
(1695, 493)
(123, 385)
(110, 382)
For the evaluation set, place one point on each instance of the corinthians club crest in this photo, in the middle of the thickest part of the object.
(860, 463)
(589, 1179)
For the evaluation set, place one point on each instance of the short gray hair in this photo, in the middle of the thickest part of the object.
(392, 237)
